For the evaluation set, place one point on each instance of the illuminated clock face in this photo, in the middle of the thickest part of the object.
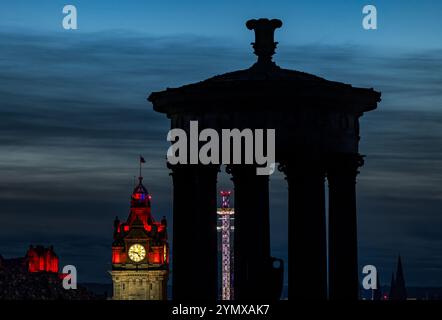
(137, 252)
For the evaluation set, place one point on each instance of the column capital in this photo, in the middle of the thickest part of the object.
(239, 171)
(193, 168)
(241, 168)
(303, 165)
(344, 164)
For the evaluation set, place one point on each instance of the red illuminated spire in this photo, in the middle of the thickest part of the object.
(141, 228)
(140, 195)
(140, 205)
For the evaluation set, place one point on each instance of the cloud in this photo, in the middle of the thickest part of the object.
(404, 77)
(74, 118)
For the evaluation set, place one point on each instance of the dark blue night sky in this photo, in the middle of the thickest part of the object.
(74, 116)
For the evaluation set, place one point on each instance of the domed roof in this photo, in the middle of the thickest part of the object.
(140, 192)
(264, 84)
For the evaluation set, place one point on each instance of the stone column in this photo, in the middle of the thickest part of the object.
(343, 247)
(252, 263)
(194, 251)
(307, 231)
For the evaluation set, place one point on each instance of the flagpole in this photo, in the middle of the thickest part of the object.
(141, 162)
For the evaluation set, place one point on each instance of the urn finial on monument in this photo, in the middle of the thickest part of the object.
(264, 44)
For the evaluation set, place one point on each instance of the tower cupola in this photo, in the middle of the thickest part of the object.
(140, 196)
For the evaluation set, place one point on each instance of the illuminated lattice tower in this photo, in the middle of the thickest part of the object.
(226, 227)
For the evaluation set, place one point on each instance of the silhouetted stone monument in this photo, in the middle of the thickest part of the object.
(317, 136)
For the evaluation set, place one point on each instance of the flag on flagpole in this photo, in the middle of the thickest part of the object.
(141, 161)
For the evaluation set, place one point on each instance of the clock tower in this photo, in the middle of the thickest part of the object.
(140, 252)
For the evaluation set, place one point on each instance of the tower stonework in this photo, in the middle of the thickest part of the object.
(140, 252)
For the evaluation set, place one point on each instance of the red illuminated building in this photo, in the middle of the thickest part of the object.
(35, 276)
(41, 259)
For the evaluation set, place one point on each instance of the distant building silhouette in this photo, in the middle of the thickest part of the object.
(398, 290)
(392, 287)
(377, 293)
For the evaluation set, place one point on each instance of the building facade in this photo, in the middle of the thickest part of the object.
(41, 259)
(140, 252)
